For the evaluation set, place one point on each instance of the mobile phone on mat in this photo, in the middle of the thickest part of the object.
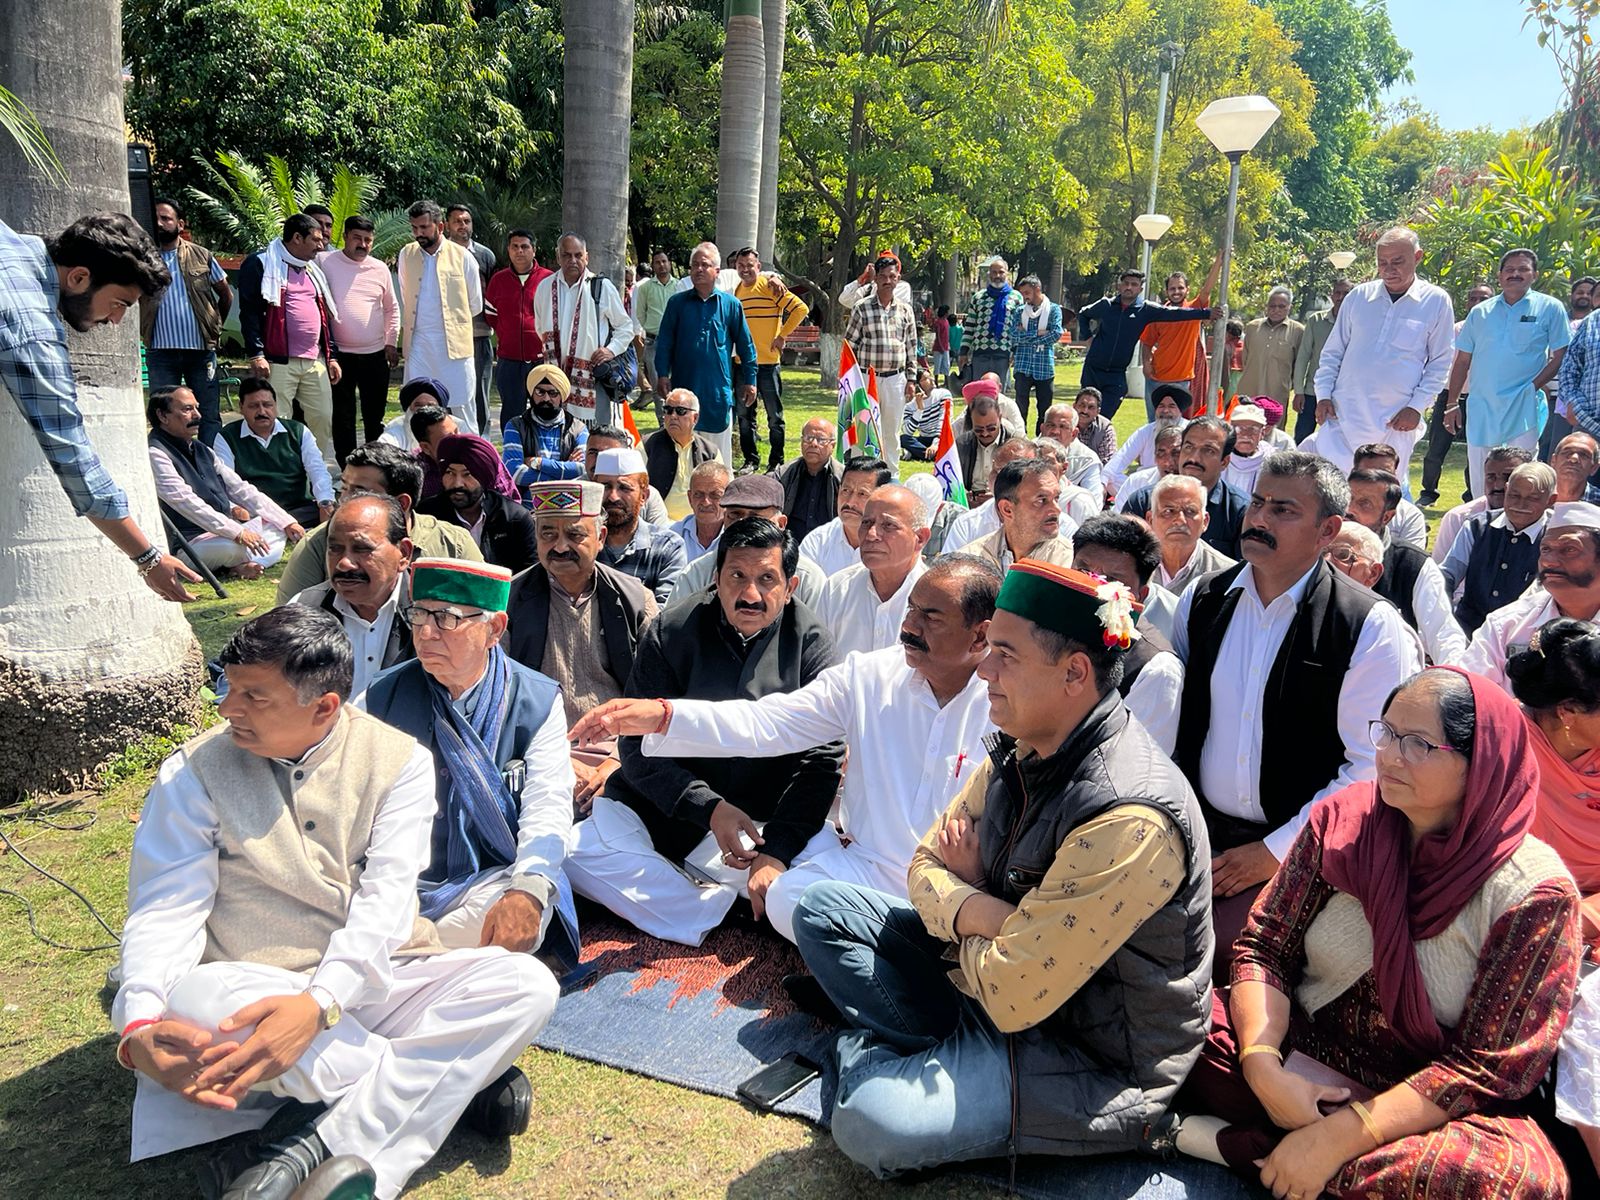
(777, 1081)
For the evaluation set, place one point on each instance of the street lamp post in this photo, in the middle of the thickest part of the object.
(1233, 125)
(1170, 52)
(1151, 227)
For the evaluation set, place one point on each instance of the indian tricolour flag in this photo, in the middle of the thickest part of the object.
(860, 424)
(947, 464)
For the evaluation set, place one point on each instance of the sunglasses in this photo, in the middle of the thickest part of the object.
(677, 410)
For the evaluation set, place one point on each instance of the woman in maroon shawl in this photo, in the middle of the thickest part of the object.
(1418, 942)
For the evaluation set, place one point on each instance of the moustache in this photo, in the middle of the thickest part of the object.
(1191, 463)
(748, 606)
(1259, 535)
(194, 424)
(561, 555)
(912, 642)
(351, 577)
(458, 493)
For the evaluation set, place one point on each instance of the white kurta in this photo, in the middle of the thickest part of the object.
(1139, 448)
(1505, 632)
(908, 759)
(1156, 696)
(1145, 477)
(1381, 356)
(827, 546)
(368, 639)
(419, 1037)
(426, 354)
(850, 610)
(1442, 636)
(1386, 653)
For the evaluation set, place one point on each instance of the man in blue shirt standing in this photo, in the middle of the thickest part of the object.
(1114, 323)
(1513, 344)
(181, 329)
(700, 331)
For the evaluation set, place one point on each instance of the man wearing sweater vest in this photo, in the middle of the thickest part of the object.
(497, 732)
(273, 930)
(278, 457)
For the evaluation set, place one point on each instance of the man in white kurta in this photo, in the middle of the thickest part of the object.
(913, 716)
(835, 546)
(1386, 359)
(440, 284)
(273, 879)
(863, 607)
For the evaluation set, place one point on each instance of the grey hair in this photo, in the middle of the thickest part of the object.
(1370, 544)
(716, 254)
(1168, 483)
(1066, 410)
(1400, 233)
(1280, 290)
(1542, 475)
(1333, 489)
(574, 237)
(1052, 448)
(425, 208)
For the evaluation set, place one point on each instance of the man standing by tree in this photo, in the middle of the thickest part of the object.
(883, 333)
(1318, 326)
(98, 268)
(1386, 359)
(986, 328)
(1112, 327)
(458, 221)
(772, 316)
(366, 324)
(1513, 344)
(180, 329)
(1270, 345)
(701, 329)
(508, 308)
(285, 315)
(441, 295)
(1035, 330)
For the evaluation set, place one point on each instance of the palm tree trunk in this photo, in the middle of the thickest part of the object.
(597, 108)
(744, 98)
(90, 659)
(774, 23)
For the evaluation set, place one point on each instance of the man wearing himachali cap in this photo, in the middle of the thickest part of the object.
(498, 736)
(1071, 877)
(1568, 586)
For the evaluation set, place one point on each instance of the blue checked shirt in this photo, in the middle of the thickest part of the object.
(1033, 349)
(1578, 382)
(37, 373)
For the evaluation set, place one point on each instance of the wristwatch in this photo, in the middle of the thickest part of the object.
(331, 1008)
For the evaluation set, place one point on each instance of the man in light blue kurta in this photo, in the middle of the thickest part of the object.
(1513, 343)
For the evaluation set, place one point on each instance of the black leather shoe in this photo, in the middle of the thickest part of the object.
(1427, 499)
(502, 1109)
(300, 1167)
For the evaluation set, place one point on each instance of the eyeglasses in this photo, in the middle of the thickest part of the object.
(547, 390)
(1414, 748)
(445, 620)
(816, 439)
(677, 410)
(1342, 554)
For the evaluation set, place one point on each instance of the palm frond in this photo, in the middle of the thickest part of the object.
(18, 122)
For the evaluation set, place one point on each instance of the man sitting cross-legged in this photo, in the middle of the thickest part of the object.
(273, 947)
(576, 619)
(368, 553)
(1067, 884)
(675, 841)
(913, 717)
(497, 733)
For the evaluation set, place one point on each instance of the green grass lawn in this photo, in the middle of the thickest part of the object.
(64, 1103)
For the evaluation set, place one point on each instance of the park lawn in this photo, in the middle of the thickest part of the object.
(64, 1103)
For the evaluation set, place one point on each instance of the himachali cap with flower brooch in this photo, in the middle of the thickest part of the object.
(1073, 603)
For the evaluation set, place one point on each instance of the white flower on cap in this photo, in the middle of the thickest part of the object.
(1574, 514)
(1248, 412)
(619, 460)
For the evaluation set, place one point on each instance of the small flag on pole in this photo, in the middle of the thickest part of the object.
(860, 425)
(628, 424)
(947, 463)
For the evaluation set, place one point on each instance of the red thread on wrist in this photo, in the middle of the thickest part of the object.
(128, 1031)
(666, 715)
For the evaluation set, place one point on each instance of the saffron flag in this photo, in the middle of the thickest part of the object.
(628, 424)
(860, 423)
(947, 463)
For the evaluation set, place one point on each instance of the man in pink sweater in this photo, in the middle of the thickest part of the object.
(367, 328)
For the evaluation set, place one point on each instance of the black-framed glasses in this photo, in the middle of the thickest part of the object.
(545, 389)
(445, 620)
(1414, 748)
(677, 410)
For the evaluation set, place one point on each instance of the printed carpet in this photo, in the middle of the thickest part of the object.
(708, 1018)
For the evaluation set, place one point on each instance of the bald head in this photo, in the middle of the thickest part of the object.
(893, 531)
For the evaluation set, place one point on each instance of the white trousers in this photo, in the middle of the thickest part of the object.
(615, 864)
(304, 381)
(223, 553)
(845, 864)
(724, 441)
(891, 406)
(1333, 442)
(462, 926)
(426, 358)
(1477, 454)
(396, 1075)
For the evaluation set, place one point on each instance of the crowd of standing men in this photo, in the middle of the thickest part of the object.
(1096, 807)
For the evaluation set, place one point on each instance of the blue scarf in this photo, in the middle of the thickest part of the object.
(480, 814)
(997, 312)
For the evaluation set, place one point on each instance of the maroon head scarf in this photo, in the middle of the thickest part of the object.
(479, 456)
(1412, 893)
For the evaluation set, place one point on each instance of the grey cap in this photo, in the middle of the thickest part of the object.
(753, 491)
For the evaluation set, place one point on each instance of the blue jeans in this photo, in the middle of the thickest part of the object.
(941, 364)
(984, 361)
(925, 1078)
(511, 380)
(195, 370)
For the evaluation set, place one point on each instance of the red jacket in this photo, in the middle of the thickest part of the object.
(513, 314)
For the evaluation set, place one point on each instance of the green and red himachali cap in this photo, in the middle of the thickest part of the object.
(458, 581)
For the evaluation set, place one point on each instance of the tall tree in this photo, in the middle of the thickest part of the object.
(90, 660)
(774, 27)
(741, 129)
(597, 105)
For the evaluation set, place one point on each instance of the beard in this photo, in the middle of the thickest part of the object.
(546, 412)
(75, 310)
